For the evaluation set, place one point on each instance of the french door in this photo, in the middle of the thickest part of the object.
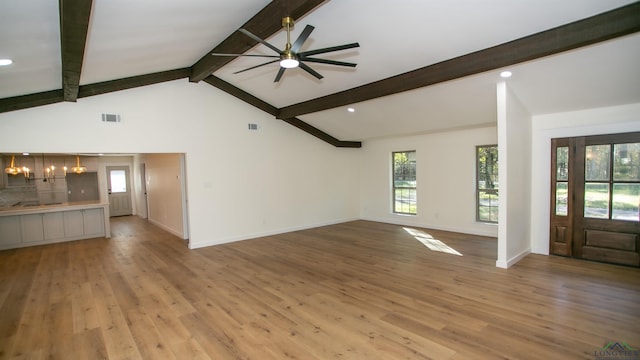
(595, 198)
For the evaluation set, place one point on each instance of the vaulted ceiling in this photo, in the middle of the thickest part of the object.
(423, 66)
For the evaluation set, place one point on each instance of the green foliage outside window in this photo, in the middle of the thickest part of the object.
(487, 183)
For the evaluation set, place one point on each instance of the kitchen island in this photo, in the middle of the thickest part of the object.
(30, 224)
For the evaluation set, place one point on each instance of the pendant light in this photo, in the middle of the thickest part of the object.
(12, 169)
(78, 169)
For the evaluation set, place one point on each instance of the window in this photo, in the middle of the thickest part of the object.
(487, 183)
(404, 182)
(118, 181)
(612, 181)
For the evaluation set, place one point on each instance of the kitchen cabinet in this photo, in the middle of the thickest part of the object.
(31, 228)
(73, 223)
(45, 224)
(53, 225)
(9, 231)
(93, 221)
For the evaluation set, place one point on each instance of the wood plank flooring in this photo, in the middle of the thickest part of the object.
(358, 290)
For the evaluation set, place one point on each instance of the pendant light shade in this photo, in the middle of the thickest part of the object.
(12, 169)
(78, 169)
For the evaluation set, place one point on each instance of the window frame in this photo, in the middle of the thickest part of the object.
(410, 188)
(479, 190)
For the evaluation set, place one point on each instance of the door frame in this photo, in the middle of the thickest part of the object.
(576, 235)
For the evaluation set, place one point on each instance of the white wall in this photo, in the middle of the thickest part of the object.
(514, 153)
(608, 120)
(240, 183)
(445, 180)
(163, 178)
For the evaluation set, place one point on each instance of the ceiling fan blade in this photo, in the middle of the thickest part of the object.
(260, 40)
(310, 71)
(257, 66)
(329, 49)
(302, 38)
(280, 73)
(326, 61)
(253, 55)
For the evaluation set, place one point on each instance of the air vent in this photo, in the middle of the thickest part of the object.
(111, 118)
(253, 126)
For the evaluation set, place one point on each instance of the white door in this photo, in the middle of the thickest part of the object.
(119, 190)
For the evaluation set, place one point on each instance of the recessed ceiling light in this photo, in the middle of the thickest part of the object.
(350, 109)
(506, 74)
(5, 62)
(25, 153)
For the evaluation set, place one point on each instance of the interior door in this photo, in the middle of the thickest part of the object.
(595, 207)
(119, 190)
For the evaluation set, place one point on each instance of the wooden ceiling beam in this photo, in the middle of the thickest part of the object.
(74, 25)
(270, 109)
(132, 82)
(602, 27)
(31, 100)
(264, 24)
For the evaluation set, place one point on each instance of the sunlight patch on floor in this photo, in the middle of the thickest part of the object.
(430, 242)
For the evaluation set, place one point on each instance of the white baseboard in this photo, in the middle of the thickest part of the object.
(166, 228)
(507, 264)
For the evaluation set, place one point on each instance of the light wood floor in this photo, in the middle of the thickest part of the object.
(359, 290)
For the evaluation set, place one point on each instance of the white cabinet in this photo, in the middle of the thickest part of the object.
(93, 222)
(65, 223)
(53, 226)
(9, 231)
(31, 228)
(73, 223)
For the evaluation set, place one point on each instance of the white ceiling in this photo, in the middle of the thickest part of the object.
(128, 38)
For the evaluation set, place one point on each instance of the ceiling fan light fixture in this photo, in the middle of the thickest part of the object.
(289, 61)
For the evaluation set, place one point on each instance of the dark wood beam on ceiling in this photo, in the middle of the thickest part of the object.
(602, 27)
(264, 24)
(31, 100)
(132, 82)
(270, 109)
(74, 25)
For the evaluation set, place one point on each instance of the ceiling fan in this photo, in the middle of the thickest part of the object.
(291, 56)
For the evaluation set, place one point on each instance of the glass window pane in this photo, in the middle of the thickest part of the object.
(561, 198)
(596, 200)
(488, 206)
(626, 202)
(487, 183)
(626, 162)
(404, 182)
(487, 167)
(596, 163)
(405, 201)
(562, 163)
(118, 181)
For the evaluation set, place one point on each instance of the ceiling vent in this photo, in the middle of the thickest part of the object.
(253, 126)
(111, 118)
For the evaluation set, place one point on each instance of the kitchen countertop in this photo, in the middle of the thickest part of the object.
(30, 208)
